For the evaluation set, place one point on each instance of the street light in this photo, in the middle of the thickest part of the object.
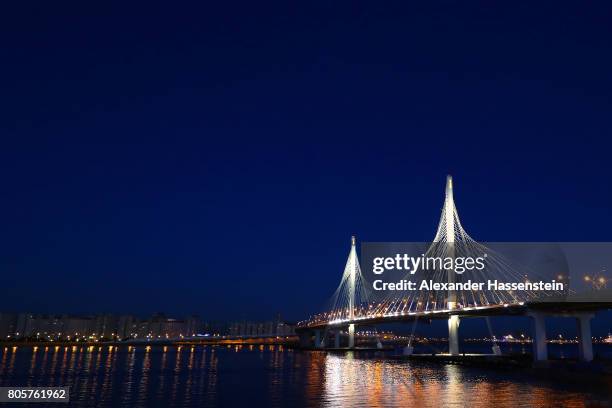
(598, 281)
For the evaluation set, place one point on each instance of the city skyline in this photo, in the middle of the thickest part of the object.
(105, 327)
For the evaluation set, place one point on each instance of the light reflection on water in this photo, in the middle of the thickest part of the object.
(350, 382)
(277, 376)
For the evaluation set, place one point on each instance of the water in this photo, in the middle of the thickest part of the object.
(276, 376)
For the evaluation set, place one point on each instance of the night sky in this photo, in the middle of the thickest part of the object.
(216, 159)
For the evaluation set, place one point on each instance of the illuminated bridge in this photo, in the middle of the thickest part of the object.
(351, 304)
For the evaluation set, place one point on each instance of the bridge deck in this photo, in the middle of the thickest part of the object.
(480, 311)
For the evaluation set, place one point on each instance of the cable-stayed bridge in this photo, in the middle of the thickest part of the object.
(352, 302)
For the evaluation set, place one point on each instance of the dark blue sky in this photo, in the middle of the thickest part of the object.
(216, 159)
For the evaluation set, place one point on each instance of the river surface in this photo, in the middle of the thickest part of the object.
(221, 376)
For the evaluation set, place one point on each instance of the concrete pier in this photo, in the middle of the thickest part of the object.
(585, 349)
(540, 349)
(453, 335)
(585, 341)
(318, 340)
(351, 336)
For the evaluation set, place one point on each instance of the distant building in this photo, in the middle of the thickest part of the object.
(127, 327)
(285, 329)
(77, 327)
(8, 325)
(215, 328)
(24, 324)
(193, 325)
(38, 325)
(106, 326)
(161, 327)
(266, 329)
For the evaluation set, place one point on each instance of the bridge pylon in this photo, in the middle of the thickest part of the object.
(448, 227)
(353, 265)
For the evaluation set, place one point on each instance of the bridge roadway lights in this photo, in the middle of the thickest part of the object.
(351, 336)
(453, 335)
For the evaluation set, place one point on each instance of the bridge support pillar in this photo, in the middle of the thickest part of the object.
(540, 350)
(496, 350)
(585, 350)
(337, 339)
(318, 339)
(305, 338)
(453, 335)
(351, 336)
